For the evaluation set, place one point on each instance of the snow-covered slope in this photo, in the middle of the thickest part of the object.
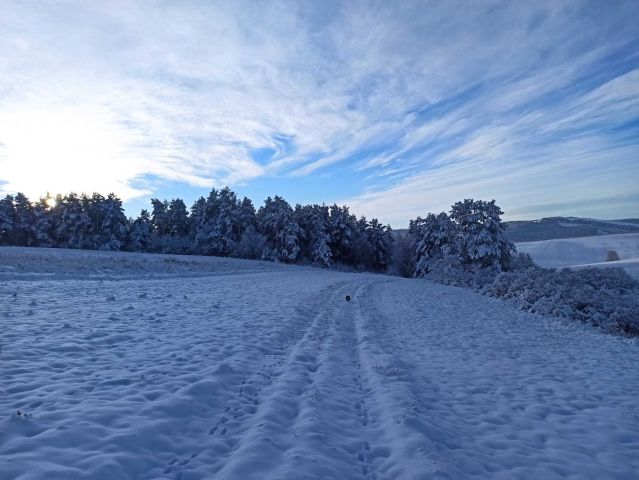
(261, 371)
(582, 251)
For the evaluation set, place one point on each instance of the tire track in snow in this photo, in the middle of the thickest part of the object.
(239, 407)
(335, 422)
(272, 395)
(409, 453)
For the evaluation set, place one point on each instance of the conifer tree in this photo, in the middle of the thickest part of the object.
(114, 224)
(23, 221)
(42, 224)
(140, 232)
(177, 218)
(434, 239)
(481, 235)
(7, 218)
(342, 229)
(380, 238)
(313, 221)
(275, 220)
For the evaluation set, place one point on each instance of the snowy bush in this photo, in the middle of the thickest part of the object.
(181, 245)
(450, 271)
(521, 261)
(251, 245)
(605, 297)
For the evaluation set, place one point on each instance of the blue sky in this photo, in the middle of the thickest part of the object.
(395, 108)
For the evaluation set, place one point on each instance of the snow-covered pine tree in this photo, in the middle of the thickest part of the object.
(140, 232)
(55, 216)
(218, 231)
(204, 219)
(380, 238)
(361, 248)
(177, 218)
(94, 207)
(228, 220)
(42, 224)
(23, 221)
(160, 217)
(7, 217)
(342, 230)
(246, 216)
(481, 235)
(313, 221)
(276, 221)
(114, 224)
(73, 226)
(434, 238)
(197, 218)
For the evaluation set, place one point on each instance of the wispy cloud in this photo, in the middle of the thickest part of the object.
(419, 103)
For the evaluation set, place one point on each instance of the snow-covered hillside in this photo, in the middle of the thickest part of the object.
(568, 227)
(585, 251)
(148, 366)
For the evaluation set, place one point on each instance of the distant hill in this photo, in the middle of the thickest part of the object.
(583, 251)
(568, 227)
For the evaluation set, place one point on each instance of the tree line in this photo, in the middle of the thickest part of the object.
(472, 236)
(465, 247)
(220, 224)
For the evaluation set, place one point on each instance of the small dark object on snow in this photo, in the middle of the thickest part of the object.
(18, 413)
(347, 298)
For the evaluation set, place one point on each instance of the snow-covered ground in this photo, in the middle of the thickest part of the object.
(585, 251)
(128, 366)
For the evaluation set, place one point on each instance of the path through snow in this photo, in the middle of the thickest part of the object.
(264, 371)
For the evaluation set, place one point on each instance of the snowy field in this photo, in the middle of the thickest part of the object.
(585, 251)
(133, 366)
